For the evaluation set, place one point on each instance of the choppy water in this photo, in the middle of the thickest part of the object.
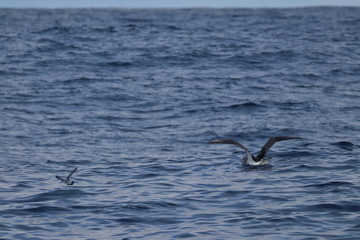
(131, 97)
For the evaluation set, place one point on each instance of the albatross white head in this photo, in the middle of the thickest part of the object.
(260, 159)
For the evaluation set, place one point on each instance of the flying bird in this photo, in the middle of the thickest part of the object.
(68, 181)
(250, 159)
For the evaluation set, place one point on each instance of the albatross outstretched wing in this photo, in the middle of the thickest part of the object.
(269, 144)
(72, 172)
(60, 178)
(230, 141)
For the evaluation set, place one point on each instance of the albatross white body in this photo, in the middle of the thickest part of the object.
(251, 161)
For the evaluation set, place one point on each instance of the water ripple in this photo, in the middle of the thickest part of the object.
(132, 97)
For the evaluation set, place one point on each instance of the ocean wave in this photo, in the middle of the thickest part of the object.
(132, 97)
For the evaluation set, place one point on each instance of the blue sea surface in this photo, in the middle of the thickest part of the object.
(131, 98)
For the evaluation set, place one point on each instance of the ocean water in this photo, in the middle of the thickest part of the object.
(131, 98)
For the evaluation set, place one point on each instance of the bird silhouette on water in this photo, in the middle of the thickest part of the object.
(250, 159)
(68, 181)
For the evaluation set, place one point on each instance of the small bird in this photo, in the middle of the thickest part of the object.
(68, 181)
(260, 159)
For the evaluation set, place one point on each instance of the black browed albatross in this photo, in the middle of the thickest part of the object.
(68, 181)
(260, 159)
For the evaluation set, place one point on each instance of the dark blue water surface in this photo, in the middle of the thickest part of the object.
(131, 97)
